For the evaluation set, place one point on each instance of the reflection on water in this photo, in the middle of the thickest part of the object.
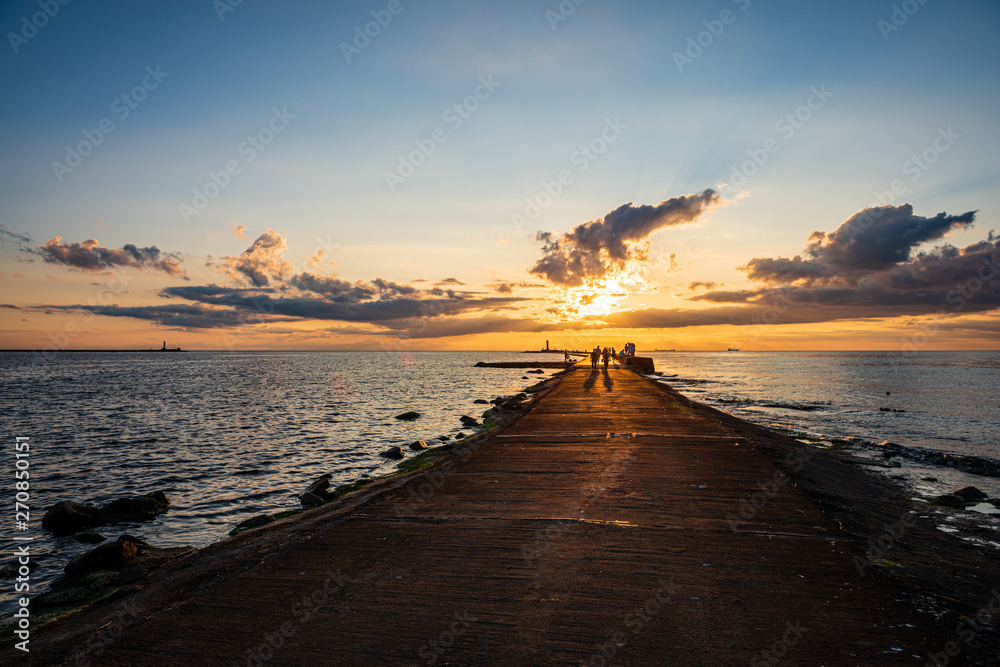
(226, 435)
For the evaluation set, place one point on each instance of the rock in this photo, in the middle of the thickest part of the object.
(89, 537)
(468, 421)
(393, 453)
(489, 413)
(11, 568)
(524, 377)
(259, 520)
(442, 438)
(320, 486)
(110, 556)
(311, 500)
(949, 500)
(498, 399)
(928, 479)
(971, 494)
(418, 445)
(66, 518)
(136, 508)
(537, 370)
(460, 436)
(481, 401)
(408, 416)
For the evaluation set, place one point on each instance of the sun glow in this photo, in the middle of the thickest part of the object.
(600, 297)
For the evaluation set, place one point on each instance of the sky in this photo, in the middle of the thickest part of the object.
(408, 174)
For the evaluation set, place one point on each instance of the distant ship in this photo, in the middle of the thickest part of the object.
(664, 350)
(733, 349)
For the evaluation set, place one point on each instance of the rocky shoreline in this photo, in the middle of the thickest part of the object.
(127, 576)
(941, 575)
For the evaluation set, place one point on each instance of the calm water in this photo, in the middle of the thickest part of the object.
(951, 399)
(232, 435)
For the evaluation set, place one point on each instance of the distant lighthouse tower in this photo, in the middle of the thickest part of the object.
(164, 348)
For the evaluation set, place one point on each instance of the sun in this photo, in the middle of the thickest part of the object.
(599, 297)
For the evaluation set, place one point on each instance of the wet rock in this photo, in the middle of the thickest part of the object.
(949, 500)
(928, 479)
(89, 537)
(489, 413)
(408, 416)
(442, 438)
(319, 488)
(468, 421)
(537, 371)
(393, 453)
(418, 445)
(136, 508)
(66, 518)
(481, 401)
(311, 500)
(460, 436)
(255, 522)
(971, 494)
(110, 556)
(11, 568)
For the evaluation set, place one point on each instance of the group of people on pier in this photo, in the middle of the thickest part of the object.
(598, 355)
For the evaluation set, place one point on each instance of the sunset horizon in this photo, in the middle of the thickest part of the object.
(483, 197)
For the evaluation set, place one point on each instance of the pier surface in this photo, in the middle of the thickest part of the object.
(603, 527)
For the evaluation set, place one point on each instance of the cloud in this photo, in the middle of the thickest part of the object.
(593, 249)
(92, 256)
(262, 262)
(23, 240)
(871, 267)
(449, 281)
(701, 284)
(239, 230)
(871, 240)
(310, 308)
(186, 316)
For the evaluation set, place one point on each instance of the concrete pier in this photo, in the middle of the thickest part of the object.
(612, 524)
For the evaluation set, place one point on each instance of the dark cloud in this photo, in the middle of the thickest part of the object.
(592, 249)
(333, 288)
(22, 240)
(871, 240)
(373, 312)
(700, 284)
(186, 316)
(92, 256)
(449, 281)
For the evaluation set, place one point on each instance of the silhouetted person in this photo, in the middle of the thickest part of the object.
(594, 355)
(606, 355)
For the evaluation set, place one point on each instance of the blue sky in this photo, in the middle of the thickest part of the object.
(323, 176)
